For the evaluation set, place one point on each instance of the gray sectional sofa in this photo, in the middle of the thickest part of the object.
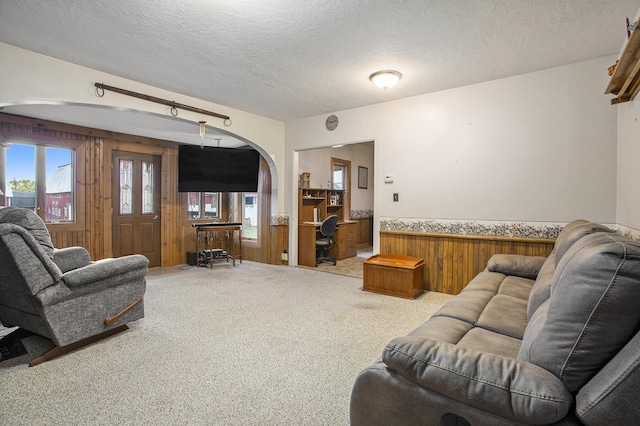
(530, 340)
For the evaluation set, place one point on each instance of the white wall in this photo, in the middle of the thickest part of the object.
(628, 211)
(318, 163)
(538, 147)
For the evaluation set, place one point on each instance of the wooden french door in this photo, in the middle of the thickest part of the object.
(135, 183)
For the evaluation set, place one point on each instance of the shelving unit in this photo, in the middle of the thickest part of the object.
(625, 81)
(326, 201)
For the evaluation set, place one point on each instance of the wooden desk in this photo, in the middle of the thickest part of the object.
(206, 232)
(346, 241)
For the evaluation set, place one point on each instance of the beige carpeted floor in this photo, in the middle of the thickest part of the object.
(251, 345)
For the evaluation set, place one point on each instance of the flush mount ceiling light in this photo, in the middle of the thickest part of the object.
(385, 79)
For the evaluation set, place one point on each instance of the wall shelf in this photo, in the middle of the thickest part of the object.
(625, 81)
(325, 201)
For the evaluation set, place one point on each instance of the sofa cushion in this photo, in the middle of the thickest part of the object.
(32, 223)
(572, 232)
(482, 340)
(463, 334)
(443, 329)
(541, 289)
(466, 306)
(516, 390)
(592, 312)
(506, 315)
(517, 287)
(499, 283)
(485, 281)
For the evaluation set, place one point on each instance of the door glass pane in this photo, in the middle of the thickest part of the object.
(20, 176)
(250, 215)
(193, 205)
(147, 187)
(210, 205)
(338, 176)
(126, 189)
(59, 199)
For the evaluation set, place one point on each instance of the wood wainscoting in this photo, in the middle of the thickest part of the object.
(451, 261)
(365, 231)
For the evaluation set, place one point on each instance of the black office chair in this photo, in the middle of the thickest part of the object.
(327, 241)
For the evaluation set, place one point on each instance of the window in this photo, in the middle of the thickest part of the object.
(41, 178)
(338, 176)
(203, 205)
(250, 216)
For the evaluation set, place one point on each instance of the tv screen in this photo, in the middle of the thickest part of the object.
(213, 169)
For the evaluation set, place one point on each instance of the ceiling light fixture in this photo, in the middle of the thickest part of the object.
(385, 79)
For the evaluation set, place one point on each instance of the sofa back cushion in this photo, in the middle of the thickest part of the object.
(572, 232)
(592, 312)
(541, 289)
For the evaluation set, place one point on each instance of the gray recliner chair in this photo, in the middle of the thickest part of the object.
(61, 294)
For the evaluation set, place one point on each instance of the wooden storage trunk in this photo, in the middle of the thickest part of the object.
(394, 275)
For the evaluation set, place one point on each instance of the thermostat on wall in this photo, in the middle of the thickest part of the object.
(388, 179)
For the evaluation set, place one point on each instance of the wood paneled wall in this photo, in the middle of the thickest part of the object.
(451, 261)
(279, 244)
(365, 231)
(92, 228)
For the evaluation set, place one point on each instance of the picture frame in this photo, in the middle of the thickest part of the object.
(363, 177)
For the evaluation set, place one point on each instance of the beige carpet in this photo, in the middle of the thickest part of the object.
(251, 345)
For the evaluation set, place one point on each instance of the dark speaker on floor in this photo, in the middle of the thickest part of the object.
(192, 258)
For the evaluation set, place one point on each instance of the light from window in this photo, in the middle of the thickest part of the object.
(147, 187)
(193, 205)
(339, 171)
(59, 199)
(20, 176)
(126, 186)
(210, 205)
(250, 216)
(203, 205)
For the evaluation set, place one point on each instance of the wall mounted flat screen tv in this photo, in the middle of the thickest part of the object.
(213, 169)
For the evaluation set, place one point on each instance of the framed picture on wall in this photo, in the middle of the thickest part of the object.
(363, 176)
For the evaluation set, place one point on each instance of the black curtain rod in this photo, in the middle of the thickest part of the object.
(174, 105)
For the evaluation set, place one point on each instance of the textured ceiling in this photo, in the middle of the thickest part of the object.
(288, 59)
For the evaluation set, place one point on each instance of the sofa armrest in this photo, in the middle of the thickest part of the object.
(505, 386)
(106, 270)
(516, 264)
(95, 277)
(70, 258)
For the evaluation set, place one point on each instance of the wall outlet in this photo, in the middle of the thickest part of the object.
(284, 256)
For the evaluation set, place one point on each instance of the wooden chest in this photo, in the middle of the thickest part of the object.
(394, 275)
